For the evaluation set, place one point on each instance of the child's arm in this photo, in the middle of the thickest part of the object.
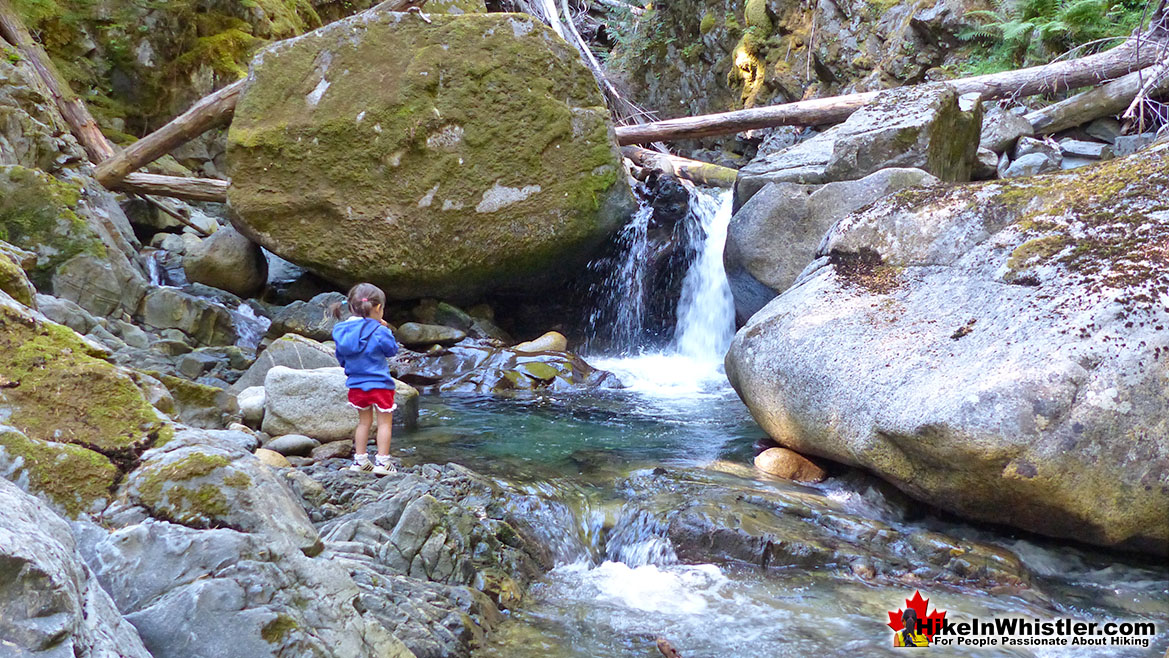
(340, 358)
(388, 345)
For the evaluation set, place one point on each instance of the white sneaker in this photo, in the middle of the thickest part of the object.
(384, 468)
(361, 466)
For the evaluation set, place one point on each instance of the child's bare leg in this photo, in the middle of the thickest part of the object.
(361, 436)
(385, 421)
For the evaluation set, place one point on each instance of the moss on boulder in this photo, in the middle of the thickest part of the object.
(72, 478)
(39, 213)
(13, 280)
(61, 391)
(448, 159)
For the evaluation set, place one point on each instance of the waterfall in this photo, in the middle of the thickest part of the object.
(692, 361)
(706, 312)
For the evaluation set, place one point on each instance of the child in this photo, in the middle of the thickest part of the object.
(363, 343)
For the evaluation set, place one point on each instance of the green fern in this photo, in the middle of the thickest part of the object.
(1035, 31)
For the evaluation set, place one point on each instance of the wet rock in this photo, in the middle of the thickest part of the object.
(291, 445)
(560, 172)
(485, 369)
(775, 235)
(291, 351)
(978, 361)
(272, 458)
(789, 464)
(553, 341)
(228, 261)
(1001, 130)
(1032, 164)
(414, 334)
(315, 403)
(52, 604)
(703, 516)
(310, 319)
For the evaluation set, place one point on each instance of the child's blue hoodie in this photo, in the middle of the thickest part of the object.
(363, 345)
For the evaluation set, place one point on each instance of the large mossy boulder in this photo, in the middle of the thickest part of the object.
(469, 154)
(997, 350)
(74, 420)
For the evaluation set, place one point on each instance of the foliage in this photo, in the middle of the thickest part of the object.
(1030, 32)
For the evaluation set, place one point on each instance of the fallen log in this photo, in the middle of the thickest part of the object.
(190, 189)
(1054, 77)
(72, 108)
(1105, 100)
(700, 172)
(208, 113)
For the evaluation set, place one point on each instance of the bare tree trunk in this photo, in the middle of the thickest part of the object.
(209, 112)
(72, 108)
(1057, 76)
(700, 172)
(191, 189)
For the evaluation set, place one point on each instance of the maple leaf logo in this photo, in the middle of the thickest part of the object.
(929, 623)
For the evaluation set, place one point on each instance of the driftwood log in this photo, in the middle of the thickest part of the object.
(189, 189)
(700, 172)
(1054, 77)
(1105, 100)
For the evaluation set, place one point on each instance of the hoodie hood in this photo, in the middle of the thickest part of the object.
(353, 336)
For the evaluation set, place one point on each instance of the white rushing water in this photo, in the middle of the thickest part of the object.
(692, 365)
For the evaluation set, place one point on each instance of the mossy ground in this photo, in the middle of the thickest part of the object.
(38, 213)
(441, 123)
(72, 477)
(65, 394)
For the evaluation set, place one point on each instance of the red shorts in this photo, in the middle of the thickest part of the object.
(381, 399)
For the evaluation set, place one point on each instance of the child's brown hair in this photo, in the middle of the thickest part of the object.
(363, 297)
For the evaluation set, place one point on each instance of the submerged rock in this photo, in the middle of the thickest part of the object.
(995, 349)
(487, 369)
(491, 134)
(789, 464)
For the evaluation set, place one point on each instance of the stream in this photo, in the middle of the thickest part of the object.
(632, 568)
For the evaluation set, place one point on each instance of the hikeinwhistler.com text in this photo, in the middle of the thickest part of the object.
(1020, 632)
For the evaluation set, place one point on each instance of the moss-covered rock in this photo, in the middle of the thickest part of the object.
(39, 213)
(470, 154)
(201, 480)
(13, 280)
(199, 405)
(72, 478)
(59, 390)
